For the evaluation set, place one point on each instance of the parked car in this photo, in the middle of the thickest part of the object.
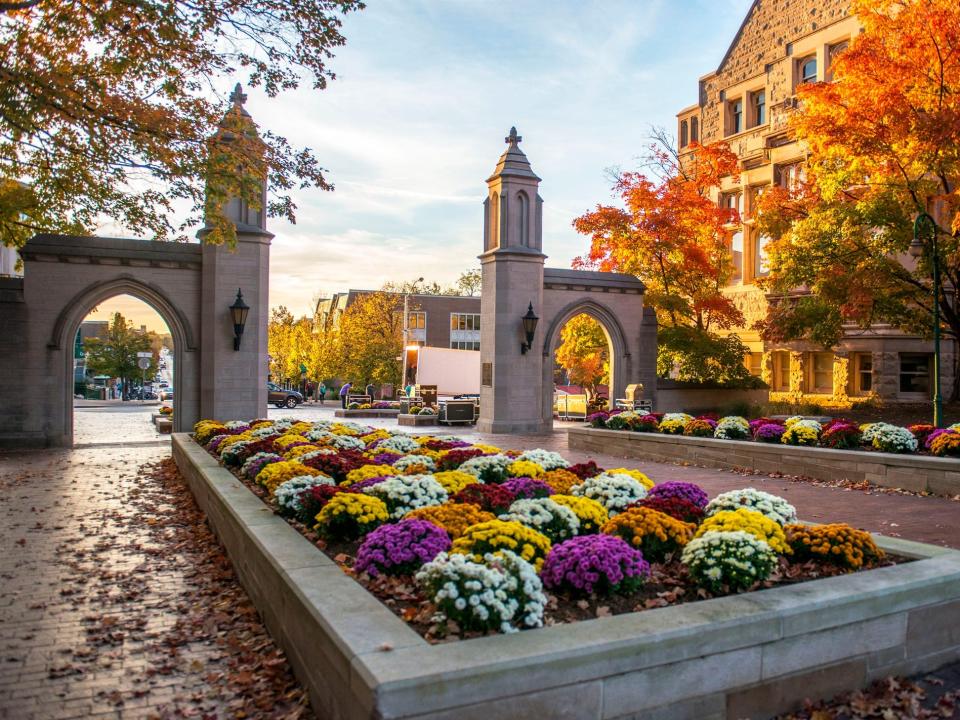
(280, 397)
(166, 393)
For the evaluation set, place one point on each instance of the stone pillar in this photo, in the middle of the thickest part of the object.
(797, 371)
(511, 391)
(841, 378)
(233, 383)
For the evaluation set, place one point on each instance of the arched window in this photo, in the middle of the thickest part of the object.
(808, 69)
(494, 221)
(524, 221)
(694, 130)
(683, 133)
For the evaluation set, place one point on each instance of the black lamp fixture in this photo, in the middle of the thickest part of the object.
(238, 311)
(529, 328)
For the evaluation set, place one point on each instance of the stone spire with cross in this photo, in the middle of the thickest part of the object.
(513, 208)
(237, 99)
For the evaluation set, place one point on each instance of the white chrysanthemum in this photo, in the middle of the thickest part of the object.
(398, 443)
(481, 466)
(614, 492)
(732, 427)
(413, 460)
(405, 493)
(890, 438)
(732, 560)
(513, 596)
(554, 520)
(547, 459)
(772, 506)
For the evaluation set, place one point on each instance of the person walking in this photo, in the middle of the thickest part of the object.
(344, 390)
(321, 391)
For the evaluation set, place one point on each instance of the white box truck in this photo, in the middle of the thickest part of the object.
(454, 372)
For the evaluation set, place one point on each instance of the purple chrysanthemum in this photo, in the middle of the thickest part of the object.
(594, 563)
(527, 488)
(365, 483)
(770, 432)
(386, 458)
(401, 548)
(682, 491)
(254, 468)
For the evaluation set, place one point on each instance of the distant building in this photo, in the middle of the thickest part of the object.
(447, 321)
(88, 329)
(746, 102)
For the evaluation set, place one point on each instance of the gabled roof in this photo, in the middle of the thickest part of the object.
(736, 38)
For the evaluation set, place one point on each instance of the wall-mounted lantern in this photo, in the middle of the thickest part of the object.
(529, 328)
(238, 311)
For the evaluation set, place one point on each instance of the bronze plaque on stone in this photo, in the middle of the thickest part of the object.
(486, 374)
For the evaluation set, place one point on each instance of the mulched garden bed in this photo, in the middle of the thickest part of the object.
(668, 584)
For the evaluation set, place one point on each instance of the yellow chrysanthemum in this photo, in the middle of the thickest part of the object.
(299, 450)
(275, 474)
(750, 521)
(366, 472)
(233, 439)
(453, 481)
(487, 449)
(524, 468)
(350, 515)
(374, 436)
(288, 439)
(495, 535)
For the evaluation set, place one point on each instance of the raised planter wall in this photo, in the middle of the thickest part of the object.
(918, 473)
(370, 413)
(744, 656)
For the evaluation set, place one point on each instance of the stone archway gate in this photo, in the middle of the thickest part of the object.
(191, 287)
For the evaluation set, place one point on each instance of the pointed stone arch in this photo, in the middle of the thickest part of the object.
(185, 380)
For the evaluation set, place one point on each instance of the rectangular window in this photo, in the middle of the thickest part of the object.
(760, 107)
(417, 321)
(832, 53)
(754, 363)
(789, 176)
(760, 267)
(781, 371)
(465, 331)
(733, 202)
(465, 344)
(861, 373)
(820, 375)
(915, 373)
(736, 252)
(736, 117)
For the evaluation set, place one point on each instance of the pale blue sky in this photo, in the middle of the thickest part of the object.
(426, 90)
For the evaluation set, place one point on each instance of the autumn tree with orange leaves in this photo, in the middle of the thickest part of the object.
(884, 143)
(110, 110)
(670, 234)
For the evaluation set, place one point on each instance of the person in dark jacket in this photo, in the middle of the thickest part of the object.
(370, 391)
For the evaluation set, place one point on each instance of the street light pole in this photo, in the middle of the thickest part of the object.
(916, 250)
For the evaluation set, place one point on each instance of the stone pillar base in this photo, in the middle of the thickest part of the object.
(508, 427)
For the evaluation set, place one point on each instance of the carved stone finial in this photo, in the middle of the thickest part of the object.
(238, 96)
(512, 139)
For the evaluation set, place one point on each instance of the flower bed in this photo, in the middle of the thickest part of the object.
(799, 431)
(752, 654)
(487, 544)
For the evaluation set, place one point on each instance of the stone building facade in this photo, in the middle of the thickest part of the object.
(747, 102)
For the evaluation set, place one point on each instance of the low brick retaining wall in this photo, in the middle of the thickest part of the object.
(918, 473)
(743, 656)
(416, 420)
(371, 413)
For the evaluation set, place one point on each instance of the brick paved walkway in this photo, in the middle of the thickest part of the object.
(115, 600)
